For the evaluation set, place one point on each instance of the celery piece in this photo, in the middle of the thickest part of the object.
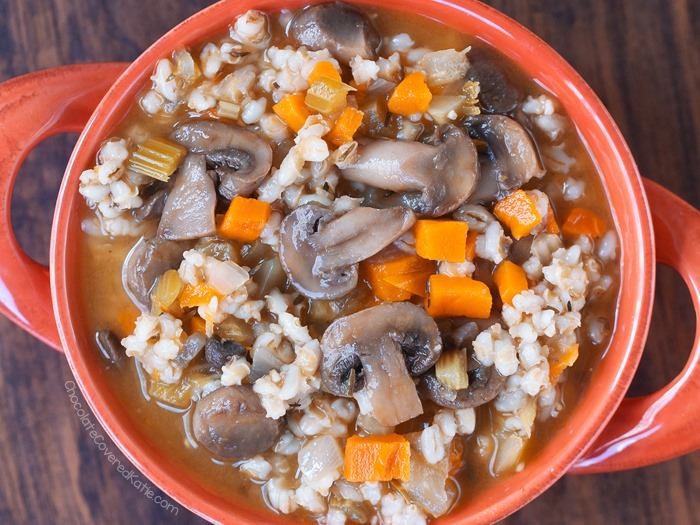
(327, 95)
(228, 110)
(157, 158)
(451, 369)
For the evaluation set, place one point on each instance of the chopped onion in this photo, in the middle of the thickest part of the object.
(269, 275)
(266, 359)
(225, 277)
(427, 485)
(320, 457)
(508, 453)
(444, 108)
(192, 347)
(234, 329)
(443, 67)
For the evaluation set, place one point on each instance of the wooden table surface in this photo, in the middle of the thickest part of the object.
(642, 58)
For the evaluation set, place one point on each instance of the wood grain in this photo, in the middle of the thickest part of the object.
(643, 60)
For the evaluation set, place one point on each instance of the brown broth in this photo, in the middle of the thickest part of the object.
(104, 301)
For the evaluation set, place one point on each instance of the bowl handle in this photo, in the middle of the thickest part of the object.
(650, 429)
(32, 108)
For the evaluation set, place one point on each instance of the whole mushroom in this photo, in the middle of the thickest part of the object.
(320, 252)
(240, 157)
(434, 179)
(344, 30)
(372, 355)
(231, 423)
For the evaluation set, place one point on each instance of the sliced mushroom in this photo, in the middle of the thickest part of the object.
(154, 197)
(511, 159)
(191, 349)
(240, 157)
(497, 94)
(148, 260)
(342, 29)
(319, 253)
(190, 207)
(218, 351)
(110, 347)
(435, 179)
(373, 354)
(485, 383)
(231, 423)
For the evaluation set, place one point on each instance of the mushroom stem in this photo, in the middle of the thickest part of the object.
(189, 209)
(434, 179)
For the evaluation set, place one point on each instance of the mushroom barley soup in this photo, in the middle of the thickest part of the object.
(351, 265)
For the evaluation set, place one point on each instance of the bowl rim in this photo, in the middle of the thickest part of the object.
(637, 260)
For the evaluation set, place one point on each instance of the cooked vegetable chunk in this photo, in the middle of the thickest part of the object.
(377, 458)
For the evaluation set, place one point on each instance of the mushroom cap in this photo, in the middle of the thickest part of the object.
(435, 179)
(319, 253)
(512, 158)
(148, 260)
(341, 28)
(497, 94)
(189, 209)
(375, 351)
(239, 156)
(485, 383)
(231, 423)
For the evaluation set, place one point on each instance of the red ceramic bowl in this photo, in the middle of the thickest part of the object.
(604, 432)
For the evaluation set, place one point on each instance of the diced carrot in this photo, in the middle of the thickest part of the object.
(323, 69)
(377, 458)
(471, 245)
(373, 275)
(197, 324)
(412, 95)
(510, 280)
(441, 240)
(127, 320)
(345, 127)
(458, 296)
(567, 359)
(195, 296)
(293, 111)
(519, 213)
(245, 219)
(552, 226)
(581, 221)
(399, 278)
(416, 283)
